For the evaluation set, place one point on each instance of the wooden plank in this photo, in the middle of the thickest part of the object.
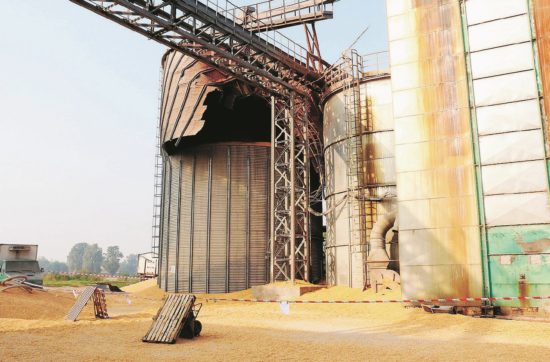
(183, 312)
(166, 315)
(170, 319)
(80, 303)
(173, 328)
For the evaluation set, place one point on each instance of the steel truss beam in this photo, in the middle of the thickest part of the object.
(290, 234)
(277, 68)
(205, 31)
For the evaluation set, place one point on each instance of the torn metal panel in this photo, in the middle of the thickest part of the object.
(186, 85)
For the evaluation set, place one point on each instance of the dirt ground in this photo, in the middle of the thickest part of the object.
(32, 328)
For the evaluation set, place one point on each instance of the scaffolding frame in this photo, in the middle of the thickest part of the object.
(290, 167)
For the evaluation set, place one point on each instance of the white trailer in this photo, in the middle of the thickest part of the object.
(147, 265)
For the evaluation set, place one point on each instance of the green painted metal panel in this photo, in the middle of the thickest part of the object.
(519, 263)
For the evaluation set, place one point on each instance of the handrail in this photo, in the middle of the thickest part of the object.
(274, 39)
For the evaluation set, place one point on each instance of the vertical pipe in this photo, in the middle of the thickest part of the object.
(272, 197)
(292, 164)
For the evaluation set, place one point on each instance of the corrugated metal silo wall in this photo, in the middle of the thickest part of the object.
(439, 239)
(345, 266)
(215, 222)
(507, 107)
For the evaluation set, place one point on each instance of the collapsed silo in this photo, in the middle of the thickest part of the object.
(215, 209)
(358, 196)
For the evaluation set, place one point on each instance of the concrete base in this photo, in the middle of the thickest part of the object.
(283, 292)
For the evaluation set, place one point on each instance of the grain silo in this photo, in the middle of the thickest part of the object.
(360, 171)
(215, 210)
(215, 215)
(438, 215)
(507, 56)
(468, 82)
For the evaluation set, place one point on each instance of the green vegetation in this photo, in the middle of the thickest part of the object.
(111, 259)
(78, 280)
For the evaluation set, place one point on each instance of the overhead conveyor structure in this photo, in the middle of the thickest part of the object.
(238, 44)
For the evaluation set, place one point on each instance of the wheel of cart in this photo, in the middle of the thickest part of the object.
(192, 327)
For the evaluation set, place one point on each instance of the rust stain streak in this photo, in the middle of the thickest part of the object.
(542, 27)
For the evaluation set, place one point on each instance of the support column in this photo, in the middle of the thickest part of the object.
(290, 190)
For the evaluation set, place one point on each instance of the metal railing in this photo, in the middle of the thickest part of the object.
(264, 15)
(273, 39)
(373, 64)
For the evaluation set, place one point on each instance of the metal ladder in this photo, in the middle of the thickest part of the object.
(355, 170)
(157, 185)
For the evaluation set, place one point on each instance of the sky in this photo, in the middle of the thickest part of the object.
(78, 115)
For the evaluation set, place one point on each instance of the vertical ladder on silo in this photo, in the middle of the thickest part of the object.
(355, 154)
(157, 182)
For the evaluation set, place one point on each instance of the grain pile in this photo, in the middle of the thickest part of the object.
(260, 332)
(145, 289)
(18, 304)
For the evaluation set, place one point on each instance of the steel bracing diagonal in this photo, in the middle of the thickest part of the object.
(290, 236)
(206, 31)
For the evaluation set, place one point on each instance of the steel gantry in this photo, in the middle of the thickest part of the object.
(276, 67)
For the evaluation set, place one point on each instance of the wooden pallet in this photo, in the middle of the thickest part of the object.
(170, 319)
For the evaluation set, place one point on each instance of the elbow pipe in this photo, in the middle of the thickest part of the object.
(377, 240)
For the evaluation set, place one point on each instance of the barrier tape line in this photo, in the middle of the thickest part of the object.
(98, 275)
(421, 301)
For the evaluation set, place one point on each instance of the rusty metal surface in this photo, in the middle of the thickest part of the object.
(438, 217)
(542, 27)
(379, 172)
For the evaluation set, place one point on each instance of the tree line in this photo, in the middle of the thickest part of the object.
(90, 258)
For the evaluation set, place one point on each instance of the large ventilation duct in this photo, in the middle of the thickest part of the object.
(378, 255)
